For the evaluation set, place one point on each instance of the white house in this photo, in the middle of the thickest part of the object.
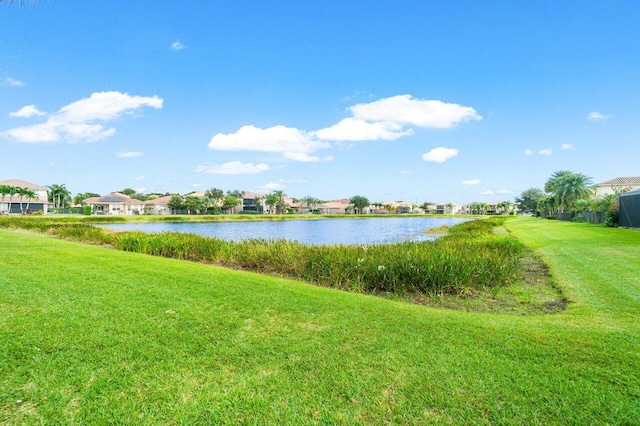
(11, 204)
(619, 184)
(115, 203)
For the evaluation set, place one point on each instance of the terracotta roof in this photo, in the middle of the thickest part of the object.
(23, 184)
(114, 197)
(621, 181)
(160, 200)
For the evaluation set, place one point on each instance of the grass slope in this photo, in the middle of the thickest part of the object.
(93, 336)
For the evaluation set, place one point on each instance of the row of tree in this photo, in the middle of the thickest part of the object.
(17, 191)
(566, 191)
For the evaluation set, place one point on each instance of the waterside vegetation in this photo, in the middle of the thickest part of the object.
(470, 259)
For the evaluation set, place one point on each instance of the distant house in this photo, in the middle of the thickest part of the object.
(449, 208)
(12, 205)
(334, 207)
(158, 205)
(616, 185)
(115, 203)
(251, 203)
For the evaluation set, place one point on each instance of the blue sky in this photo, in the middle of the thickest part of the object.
(394, 100)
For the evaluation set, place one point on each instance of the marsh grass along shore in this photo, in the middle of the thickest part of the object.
(470, 259)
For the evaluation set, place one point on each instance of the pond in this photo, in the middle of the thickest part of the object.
(308, 231)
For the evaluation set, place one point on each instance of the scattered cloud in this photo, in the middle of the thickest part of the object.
(80, 120)
(12, 82)
(407, 172)
(289, 141)
(487, 192)
(546, 152)
(139, 178)
(301, 156)
(26, 112)
(176, 45)
(384, 119)
(528, 152)
(567, 146)
(355, 129)
(271, 186)
(440, 154)
(471, 182)
(598, 116)
(233, 168)
(504, 191)
(404, 109)
(129, 154)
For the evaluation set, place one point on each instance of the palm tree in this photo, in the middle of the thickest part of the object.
(31, 195)
(504, 206)
(568, 187)
(13, 191)
(281, 206)
(310, 202)
(4, 191)
(552, 182)
(59, 195)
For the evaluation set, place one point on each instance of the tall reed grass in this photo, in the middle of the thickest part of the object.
(469, 259)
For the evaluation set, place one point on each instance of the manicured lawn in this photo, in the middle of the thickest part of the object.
(90, 335)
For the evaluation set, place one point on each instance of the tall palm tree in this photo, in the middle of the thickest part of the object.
(4, 191)
(552, 182)
(310, 202)
(59, 194)
(12, 191)
(569, 187)
(31, 195)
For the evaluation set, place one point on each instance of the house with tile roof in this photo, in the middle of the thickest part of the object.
(115, 203)
(616, 185)
(12, 204)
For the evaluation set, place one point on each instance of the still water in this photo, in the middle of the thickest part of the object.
(308, 231)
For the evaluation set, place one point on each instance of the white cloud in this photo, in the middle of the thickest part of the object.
(26, 112)
(598, 116)
(528, 152)
(355, 129)
(12, 82)
(487, 192)
(567, 146)
(404, 109)
(385, 119)
(105, 106)
(289, 141)
(471, 182)
(234, 168)
(504, 191)
(139, 178)
(176, 45)
(129, 154)
(301, 156)
(440, 154)
(271, 186)
(546, 152)
(76, 122)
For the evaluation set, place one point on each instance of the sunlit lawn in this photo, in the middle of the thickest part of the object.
(90, 335)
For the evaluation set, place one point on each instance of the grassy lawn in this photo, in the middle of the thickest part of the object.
(90, 335)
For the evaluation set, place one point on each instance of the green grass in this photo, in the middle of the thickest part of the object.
(90, 335)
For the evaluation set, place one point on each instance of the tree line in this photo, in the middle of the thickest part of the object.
(17, 191)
